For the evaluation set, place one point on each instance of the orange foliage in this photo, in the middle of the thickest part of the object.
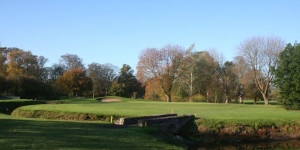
(74, 82)
(153, 90)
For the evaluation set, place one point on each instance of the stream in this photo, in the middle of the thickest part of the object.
(278, 145)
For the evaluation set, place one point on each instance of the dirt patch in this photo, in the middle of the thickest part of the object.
(109, 100)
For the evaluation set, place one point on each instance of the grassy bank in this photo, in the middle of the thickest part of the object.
(24, 133)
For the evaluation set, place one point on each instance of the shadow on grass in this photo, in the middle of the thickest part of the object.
(37, 134)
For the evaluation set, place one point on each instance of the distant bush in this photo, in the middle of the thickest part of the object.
(178, 99)
(199, 98)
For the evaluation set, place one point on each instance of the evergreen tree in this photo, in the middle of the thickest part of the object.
(288, 76)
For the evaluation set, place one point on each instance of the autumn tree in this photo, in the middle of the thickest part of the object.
(71, 61)
(15, 67)
(153, 90)
(24, 74)
(262, 56)
(19, 64)
(161, 65)
(74, 82)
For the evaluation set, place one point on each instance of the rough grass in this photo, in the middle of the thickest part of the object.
(24, 133)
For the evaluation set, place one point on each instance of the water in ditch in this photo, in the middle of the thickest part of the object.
(274, 145)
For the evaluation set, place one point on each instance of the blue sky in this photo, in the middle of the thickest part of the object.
(117, 31)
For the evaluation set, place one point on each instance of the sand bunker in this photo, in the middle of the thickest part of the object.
(109, 100)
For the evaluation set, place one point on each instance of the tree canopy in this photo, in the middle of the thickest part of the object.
(288, 76)
(160, 65)
(75, 82)
(262, 56)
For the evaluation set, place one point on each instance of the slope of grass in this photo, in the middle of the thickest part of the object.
(24, 133)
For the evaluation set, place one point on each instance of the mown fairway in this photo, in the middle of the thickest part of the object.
(23, 133)
(242, 112)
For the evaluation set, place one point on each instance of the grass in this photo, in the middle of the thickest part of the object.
(15, 100)
(32, 133)
(127, 107)
(24, 133)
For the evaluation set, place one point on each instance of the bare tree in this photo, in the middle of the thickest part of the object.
(241, 69)
(102, 77)
(71, 61)
(161, 65)
(56, 71)
(262, 54)
(186, 71)
(42, 71)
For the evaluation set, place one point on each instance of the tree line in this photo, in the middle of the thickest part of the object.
(25, 74)
(255, 73)
(264, 69)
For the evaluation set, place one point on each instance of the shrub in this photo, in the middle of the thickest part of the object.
(199, 98)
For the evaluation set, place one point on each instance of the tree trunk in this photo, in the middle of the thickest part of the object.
(227, 99)
(168, 97)
(266, 99)
(241, 100)
(190, 99)
(93, 92)
(216, 96)
(207, 99)
(191, 88)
